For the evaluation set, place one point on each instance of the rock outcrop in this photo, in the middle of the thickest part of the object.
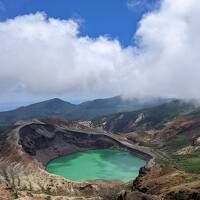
(167, 183)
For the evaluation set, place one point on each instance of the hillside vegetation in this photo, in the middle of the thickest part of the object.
(149, 118)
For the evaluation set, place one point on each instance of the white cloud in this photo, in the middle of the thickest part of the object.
(141, 5)
(40, 56)
(133, 4)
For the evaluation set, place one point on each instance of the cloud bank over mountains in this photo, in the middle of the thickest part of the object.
(47, 56)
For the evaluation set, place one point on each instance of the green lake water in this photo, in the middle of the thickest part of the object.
(97, 164)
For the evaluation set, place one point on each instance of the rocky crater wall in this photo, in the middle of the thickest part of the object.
(45, 142)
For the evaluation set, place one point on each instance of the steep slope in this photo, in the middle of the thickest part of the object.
(66, 110)
(149, 118)
(176, 145)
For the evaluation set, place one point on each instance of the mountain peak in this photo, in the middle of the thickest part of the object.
(55, 100)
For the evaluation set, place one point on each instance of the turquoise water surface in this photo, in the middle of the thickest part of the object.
(97, 164)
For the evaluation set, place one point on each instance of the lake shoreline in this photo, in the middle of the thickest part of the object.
(102, 164)
(140, 151)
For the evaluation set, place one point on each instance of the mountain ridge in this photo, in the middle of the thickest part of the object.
(84, 111)
(147, 118)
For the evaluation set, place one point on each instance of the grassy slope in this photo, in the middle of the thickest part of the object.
(180, 148)
(190, 161)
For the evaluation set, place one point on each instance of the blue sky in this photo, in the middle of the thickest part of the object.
(115, 18)
(43, 56)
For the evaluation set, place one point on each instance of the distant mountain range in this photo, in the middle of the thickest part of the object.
(86, 110)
